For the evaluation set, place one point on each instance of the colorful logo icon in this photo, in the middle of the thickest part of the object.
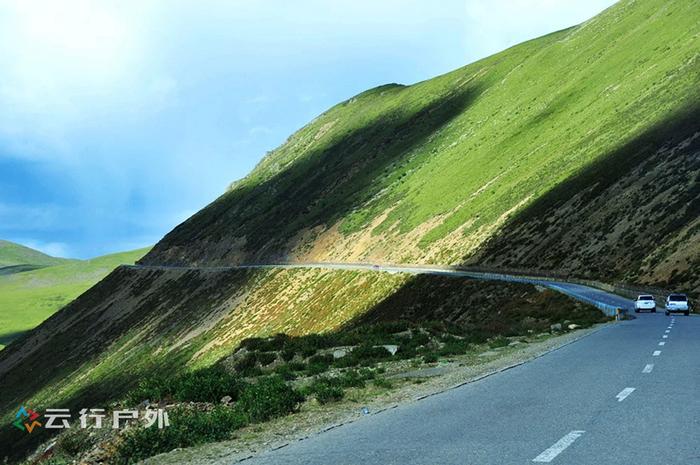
(26, 419)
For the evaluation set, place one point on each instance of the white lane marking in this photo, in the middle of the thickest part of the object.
(624, 393)
(648, 368)
(662, 343)
(559, 447)
(665, 336)
(656, 353)
(667, 331)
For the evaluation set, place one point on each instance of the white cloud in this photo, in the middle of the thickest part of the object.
(55, 249)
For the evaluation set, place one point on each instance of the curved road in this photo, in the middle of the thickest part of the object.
(625, 394)
(614, 397)
(605, 301)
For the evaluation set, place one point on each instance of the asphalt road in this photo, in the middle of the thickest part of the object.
(614, 397)
(607, 302)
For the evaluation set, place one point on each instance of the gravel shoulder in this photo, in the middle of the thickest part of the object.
(411, 384)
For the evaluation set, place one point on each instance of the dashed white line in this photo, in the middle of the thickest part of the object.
(648, 368)
(662, 343)
(558, 447)
(624, 393)
(656, 353)
(667, 331)
(665, 336)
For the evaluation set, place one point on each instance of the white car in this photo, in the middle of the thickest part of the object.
(677, 303)
(645, 302)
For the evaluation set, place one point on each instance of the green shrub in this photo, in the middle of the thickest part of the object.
(74, 441)
(297, 366)
(269, 397)
(187, 428)
(207, 385)
(266, 358)
(363, 355)
(383, 383)
(430, 357)
(285, 372)
(319, 364)
(498, 341)
(203, 385)
(326, 393)
(354, 379)
(247, 366)
(288, 354)
(454, 346)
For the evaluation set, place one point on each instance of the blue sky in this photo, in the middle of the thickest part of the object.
(119, 119)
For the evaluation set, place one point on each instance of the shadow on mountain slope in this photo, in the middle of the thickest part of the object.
(641, 198)
(318, 189)
(619, 218)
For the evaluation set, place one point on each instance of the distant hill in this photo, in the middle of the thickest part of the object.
(29, 297)
(12, 254)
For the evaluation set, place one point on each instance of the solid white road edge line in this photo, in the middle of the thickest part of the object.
(559, 447)
(624, 393)
(656, 353)
(648, 368)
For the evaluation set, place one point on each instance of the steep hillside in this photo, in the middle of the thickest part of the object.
(28, 298)
(430, 172)
(141, 323)
(12, 254)
(577, 151)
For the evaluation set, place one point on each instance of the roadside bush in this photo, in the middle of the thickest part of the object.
(266, 358)
(187, 428)
(383, 383)
(363, 355)
(204, 385)
(297, 366)
(430, 357)
(285, 372)
(207, 385)
(319, 364)
(326, 394)
(454, 346)
(498, 341)
(74, 441)
(354, 379)
(269, 397)
(288, 355)
(247, 365)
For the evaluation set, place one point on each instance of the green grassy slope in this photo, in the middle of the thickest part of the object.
(28, 298)
(431, 171)
(15, 254)
(438, 171)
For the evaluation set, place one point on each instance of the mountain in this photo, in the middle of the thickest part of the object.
(547, 155)
(577, 152)
(12, 254)
(28, 298)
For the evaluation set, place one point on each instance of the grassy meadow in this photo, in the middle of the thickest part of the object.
(28, 298)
